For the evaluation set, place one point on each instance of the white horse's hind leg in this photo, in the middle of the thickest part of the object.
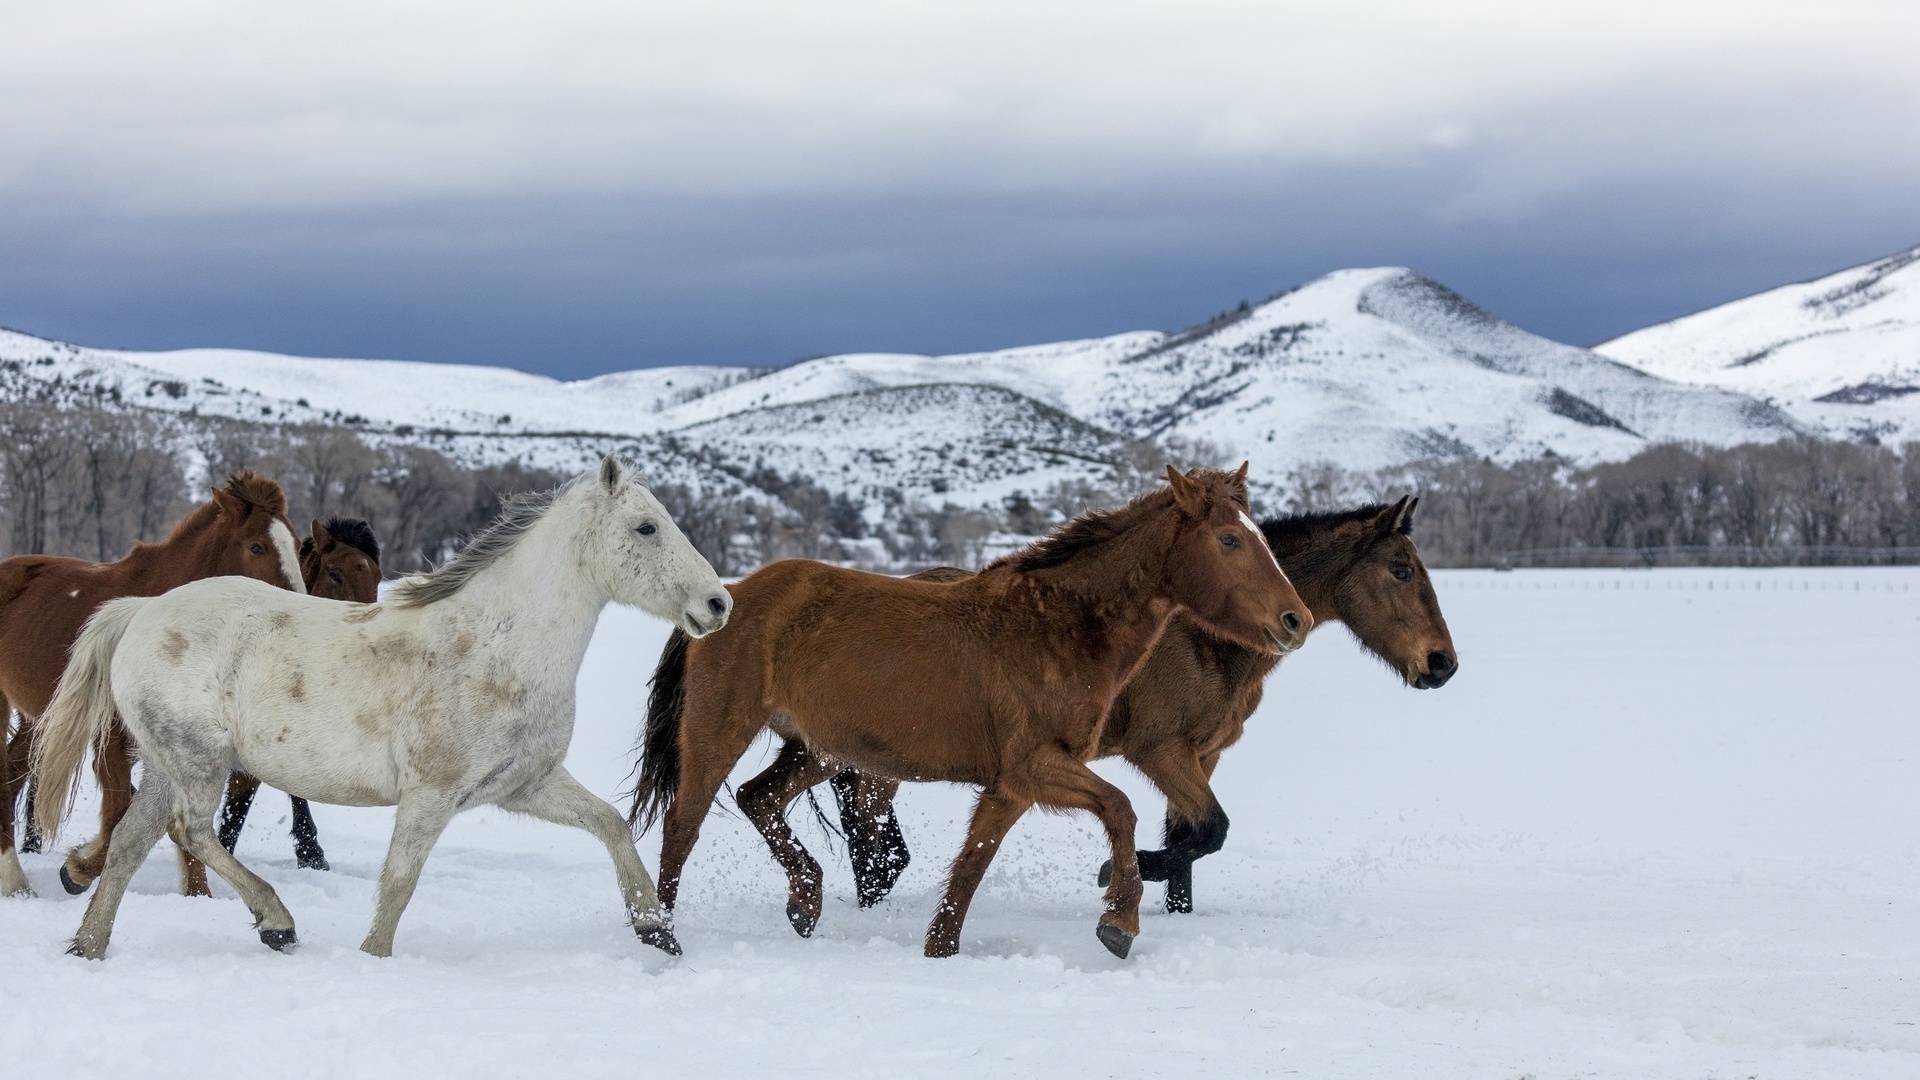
(565, 801)
(193, 830)
(133, 838)
(417, 824)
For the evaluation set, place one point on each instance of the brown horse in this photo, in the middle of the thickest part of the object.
(1003, 680)
(340, 561)
(44, 600)
(1191, 699)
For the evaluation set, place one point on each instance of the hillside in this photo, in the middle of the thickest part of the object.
(1367, 368)
(1840, 353)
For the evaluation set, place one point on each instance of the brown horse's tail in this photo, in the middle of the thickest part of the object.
(80, 714)
(658, 779)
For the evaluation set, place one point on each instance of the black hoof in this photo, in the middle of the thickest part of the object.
(31, 844)
(312, 860)
(73, 887)
(659, 937)
(803, 920)
(277, 940)
(1106, 874)
(1117, 941)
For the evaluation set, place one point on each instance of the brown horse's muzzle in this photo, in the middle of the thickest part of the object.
(1440, 668)
(1292, 631)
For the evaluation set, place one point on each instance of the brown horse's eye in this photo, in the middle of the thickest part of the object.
(334, 576)
(1403, 573)
(1230, 540)
(258, 549)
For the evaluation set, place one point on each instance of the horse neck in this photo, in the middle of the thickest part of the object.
(1316, 563)
(190, 553)
(1120, 586)
(535, 600)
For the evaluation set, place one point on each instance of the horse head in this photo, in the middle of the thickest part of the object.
(640, 557)
(1221, 570)
(249, 534)
(1386, 598)
(341, 561)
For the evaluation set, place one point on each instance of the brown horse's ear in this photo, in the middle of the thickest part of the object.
(321, 537)
(1186, 493)
(1395, 518)
(230, 505)
(610, 471)
(1239, 477)
(1406, 519)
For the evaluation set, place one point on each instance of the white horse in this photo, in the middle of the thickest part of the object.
(457, 692)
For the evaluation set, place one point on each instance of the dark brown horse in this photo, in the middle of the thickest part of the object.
(340, 561)
(44, 600)
(1003, 680)
(1192, 697)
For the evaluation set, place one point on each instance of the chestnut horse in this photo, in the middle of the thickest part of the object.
(44, 600)
(1003, 680)
(1191, 699)
(340, 561)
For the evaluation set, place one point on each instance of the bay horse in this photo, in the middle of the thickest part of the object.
(456, 692)
(340, 561)
(1003, 680)
(44, 599)
(1190, 701)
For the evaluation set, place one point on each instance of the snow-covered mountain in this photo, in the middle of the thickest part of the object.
(1367, 368)
(1840, 353)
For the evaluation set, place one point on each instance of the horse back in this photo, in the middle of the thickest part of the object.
(44, 600)
(889, 674)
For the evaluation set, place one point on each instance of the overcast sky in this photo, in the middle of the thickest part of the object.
(578, 188)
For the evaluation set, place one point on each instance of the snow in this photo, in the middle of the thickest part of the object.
(1368, 368)
(1663, 824)
(1857, 330)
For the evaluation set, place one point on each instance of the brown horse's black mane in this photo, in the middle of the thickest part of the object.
(354, 533)
(1301, 528)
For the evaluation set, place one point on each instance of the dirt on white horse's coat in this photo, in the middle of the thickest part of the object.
(457, 692)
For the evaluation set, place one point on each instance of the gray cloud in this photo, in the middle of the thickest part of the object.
(614, 185)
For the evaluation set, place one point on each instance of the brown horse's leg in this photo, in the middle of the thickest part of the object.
(241, 788)
(1196, 826)
(113, 768)
(874, 842)
(1059, 782)
(706, 756)
(993, 815)
(764, 800)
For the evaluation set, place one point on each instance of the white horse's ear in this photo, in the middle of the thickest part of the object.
(610, 471)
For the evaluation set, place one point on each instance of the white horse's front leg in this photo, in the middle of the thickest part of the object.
(417, 824)
(565, 801)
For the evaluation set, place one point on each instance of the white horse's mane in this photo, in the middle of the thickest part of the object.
(518, 513)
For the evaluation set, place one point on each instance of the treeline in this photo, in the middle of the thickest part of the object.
(88, 482)
(1799, 500)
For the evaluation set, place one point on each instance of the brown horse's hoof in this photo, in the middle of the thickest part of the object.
(1117, 941)
(74, 888)
(941, 948)
(659, 937)
(278, 940)
(803, 920)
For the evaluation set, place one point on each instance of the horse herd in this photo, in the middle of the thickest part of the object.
(230, 657)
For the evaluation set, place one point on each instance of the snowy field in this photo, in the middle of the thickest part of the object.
(1663, 824)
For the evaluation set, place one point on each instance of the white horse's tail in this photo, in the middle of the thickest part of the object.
(81, 713)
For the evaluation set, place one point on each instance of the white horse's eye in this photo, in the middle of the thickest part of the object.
(645, 530)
